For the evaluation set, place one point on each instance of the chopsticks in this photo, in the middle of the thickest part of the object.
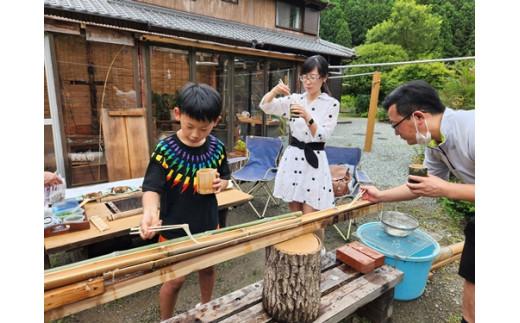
(185, 227)
(356, 198)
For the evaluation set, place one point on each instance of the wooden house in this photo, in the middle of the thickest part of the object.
(113, 69)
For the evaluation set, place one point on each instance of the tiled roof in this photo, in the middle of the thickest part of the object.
(196, 24)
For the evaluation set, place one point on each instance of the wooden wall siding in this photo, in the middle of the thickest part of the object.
(252, 12)
(169, 70)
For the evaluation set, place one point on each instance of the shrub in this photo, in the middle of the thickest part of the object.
(434, 73)
(381, 115)
(362, 103)
(457, 209)
(347, 104)
(458, 91)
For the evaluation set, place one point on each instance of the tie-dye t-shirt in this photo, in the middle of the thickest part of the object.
(172, 174)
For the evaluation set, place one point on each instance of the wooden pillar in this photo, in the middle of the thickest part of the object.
(372, 110)
(292, 279)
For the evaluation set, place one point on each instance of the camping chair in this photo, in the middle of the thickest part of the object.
(349, 157)
(260, 168)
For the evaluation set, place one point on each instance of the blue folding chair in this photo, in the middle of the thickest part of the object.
(350, 158)
(260, 168)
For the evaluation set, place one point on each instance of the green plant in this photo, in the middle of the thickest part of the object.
(458, 91)
(362, 103)
(347, 104)
(381, 115)
(457, 209)
(418, 157)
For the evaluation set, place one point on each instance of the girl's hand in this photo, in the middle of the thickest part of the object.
(281, 89)
(301, 112)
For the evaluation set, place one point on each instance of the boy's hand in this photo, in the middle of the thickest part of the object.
(150, 219)
(219, 184)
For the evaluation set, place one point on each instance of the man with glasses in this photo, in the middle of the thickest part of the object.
(419, 117)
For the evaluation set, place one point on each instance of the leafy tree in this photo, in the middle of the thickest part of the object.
(370, 53)
(458, 25)
(363, 15)
(434, 73)
(412, 26)
(334, 26)
(458, 91)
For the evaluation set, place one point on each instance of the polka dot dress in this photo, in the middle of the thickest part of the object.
(296, 180)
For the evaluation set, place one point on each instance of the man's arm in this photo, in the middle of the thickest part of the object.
(398, 193)
(433, 186)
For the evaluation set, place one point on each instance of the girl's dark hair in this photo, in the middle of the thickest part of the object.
(321, 64)
(412, 96)
(200, 102)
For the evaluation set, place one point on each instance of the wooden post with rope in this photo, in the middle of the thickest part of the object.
(372, 110)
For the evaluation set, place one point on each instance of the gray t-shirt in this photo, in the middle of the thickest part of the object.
(456, 152)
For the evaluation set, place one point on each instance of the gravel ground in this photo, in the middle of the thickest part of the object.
(387, 166)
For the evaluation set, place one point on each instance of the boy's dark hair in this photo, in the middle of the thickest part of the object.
(321, 64)
(200, 102)
(413, 96)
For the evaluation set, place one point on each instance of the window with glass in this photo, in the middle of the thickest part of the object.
(285, 72)
(83, 66)
(212, 69)
(249, 83)
(288, 15)
(169, 72)
(49, 157)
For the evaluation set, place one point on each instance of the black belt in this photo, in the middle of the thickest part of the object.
(308, 149)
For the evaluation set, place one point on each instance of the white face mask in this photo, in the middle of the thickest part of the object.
(419, 137)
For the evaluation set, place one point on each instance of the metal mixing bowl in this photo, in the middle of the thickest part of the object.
(398, 224)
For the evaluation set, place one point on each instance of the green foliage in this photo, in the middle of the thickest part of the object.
(348, 103)
(458, 91)
(381, 115)
(363, 15)
(362, 103)
(418, 157)
(371, 53)
(457, 209)
(458, 25)
(434, 73)
(334, 26)
(412, 26)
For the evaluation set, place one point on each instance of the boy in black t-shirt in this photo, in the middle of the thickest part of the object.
(170, 182)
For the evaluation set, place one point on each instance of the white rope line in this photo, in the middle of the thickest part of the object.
(404, 63)
(349, 75)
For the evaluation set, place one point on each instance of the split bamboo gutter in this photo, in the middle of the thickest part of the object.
(76, 287)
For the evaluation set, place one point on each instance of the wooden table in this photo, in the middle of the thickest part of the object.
(257, 120)
(344, 292)
(227, 198)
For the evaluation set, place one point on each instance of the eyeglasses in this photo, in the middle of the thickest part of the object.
(309, 77)
(394, 126)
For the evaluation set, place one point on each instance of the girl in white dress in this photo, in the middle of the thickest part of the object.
(303, 178)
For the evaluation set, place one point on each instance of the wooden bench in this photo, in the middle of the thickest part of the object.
(344, 292)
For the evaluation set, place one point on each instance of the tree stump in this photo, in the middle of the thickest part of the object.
(292, 279)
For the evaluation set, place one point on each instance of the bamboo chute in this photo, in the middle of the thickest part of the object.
(141, 268)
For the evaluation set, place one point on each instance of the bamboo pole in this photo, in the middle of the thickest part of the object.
(309, 223)
(73, 274)
(372, 110)
(449, 251)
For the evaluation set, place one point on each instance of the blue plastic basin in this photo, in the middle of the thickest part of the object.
(415, 265)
